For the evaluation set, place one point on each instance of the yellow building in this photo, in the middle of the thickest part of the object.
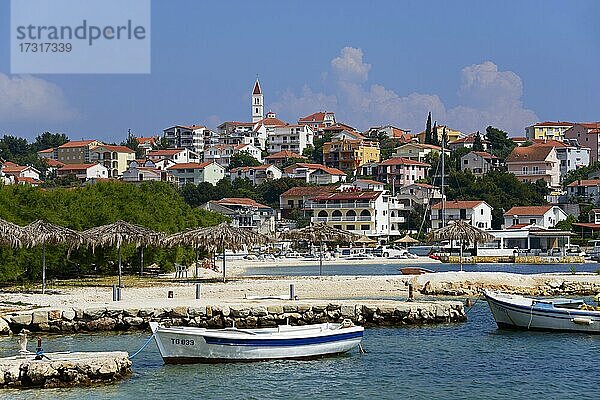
(548, 130)
(349, 154)
(115, 158)
(452, 134)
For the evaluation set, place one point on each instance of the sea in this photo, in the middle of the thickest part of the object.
(469, 360)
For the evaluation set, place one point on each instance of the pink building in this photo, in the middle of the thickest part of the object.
(535, 162)
(400, 171)
(587, 135)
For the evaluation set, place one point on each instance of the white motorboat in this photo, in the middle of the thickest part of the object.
(518, 312)
(179, 344)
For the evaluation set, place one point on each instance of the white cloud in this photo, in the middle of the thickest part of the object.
(486, 96)
(26, 98)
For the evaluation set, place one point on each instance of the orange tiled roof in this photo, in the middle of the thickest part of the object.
(353, 195)
(77, 143)
(284, 154)
(402, 161)
(528, 210)
(307, 191)
(457, 204)
(531, 153)
(239, 201)
(190, 165)
(585, 183)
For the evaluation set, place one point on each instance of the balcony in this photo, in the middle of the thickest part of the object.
(340, 205)
(357, 218)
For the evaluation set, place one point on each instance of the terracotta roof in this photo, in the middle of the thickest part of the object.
(284, 154)
(27, 179)
(141, 140)
(118, 149)
(256, 89)
(239, 201)
(308, 191)
(190, 165)
(329, 170)
(164, 152)
(425, 185)
(552, 143)
(314, 117)
(528, 210)
(77, 143)
(518, 226)
(50, 150)
(468, 139)
(369, 181)
(12, 168)
(585, 183)
(530, 153)
(402, 161)
(354, 195)
(519, 139)
(588, 225)
(54, 163)
(76, 167)
(458, 204)
(339, 125)
(484, 154)
(271, 122)
(550, 123)
(590, 125)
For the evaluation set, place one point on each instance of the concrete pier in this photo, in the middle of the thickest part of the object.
(63, 369)
(246, 314)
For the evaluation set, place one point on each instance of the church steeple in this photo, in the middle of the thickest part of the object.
(257, 102)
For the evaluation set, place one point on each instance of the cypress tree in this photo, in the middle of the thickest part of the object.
(477, 143)
(427, 139)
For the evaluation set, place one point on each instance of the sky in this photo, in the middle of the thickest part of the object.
(471, 63)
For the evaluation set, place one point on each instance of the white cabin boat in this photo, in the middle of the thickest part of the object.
(189, 345)
(518, 312)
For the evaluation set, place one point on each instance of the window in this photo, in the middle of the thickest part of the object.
(532, 221)
(337, 226)
(291, 203)
(350, 227)
(535, 169)
(466, 162)
(481, 211)
(364, 227)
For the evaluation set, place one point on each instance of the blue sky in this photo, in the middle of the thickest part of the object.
(472, 63)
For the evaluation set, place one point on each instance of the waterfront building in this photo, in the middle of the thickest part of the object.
(116, 159)
(48, 154)
(296, 198)
(83, 172)
(318, 121)
(532, 163)
(400, 171)
(245, 213)
(546, 216)
(294, 138)
(256, 175)
(451, 134)
(571, 156)
(586, 135)
(191, 137)
(419, 193)
(390, 132)
(146, 144)
(476, 212)
(222, 153)
(20, 173)
(195, 173)
(76, 151)
(146, 170)
(467, 142)
(417, 151)
(282, 157)
(177, 156)
(585, 189)
(348, 154)
(547, 130)
(526, 241)
(479, 162)
(315, 173)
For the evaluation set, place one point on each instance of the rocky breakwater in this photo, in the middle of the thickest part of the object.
(473, 283)
(249, 314)
(63, 369)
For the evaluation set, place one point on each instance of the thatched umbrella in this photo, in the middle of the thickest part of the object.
(463, 232)
(119, 233)
(319, 233)
(217, 238)
(42, 233)
(406, 239)
(11, 234)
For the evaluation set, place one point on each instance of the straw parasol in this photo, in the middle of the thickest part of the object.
(42, 233)
(11, 234)
(319, 233)
(217, 238)
(463, 232)
(406, 239)
(119, 233)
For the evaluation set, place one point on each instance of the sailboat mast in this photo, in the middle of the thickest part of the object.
(443, 173)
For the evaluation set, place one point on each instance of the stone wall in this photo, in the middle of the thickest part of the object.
(64, 369)
(384, 313)
(546, 287)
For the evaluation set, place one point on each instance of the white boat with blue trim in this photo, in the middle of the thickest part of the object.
(558, 314)
(178, 344)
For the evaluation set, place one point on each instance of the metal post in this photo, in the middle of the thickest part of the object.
(198, 290)
(120, 266)
(411, 295)
(223, 264)
(460, 257)
(292, 291)
(114, 288)
(119, 293)
(142, 262)
(321, 259)
(44, 268)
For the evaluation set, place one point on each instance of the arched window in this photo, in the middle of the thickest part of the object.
(365, 213)
(393, 214)
(351, 213)
(322, 213)
(336, 213)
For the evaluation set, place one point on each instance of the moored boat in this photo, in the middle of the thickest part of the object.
(518, 312)
(189, 345)
(415, 271)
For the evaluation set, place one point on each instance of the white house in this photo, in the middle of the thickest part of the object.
(193, 137)
(540, 216)
(477, 212)
(295, 138)
(20, 171)
(245, 213)
(533, 163)
(84, 172)
(196, 173)
(417, 151)
(146, 171)
(178, 156)
(256, 175)
(315, 173)
(467, 142)
(479, 162)
(585, 188)
(222, 153)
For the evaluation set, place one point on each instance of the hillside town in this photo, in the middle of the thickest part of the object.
(382, 183)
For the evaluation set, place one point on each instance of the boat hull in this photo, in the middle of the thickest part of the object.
(512, 315)
(197, 345)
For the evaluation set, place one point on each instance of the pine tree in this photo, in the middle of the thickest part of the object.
(427, 139)
(477, 143)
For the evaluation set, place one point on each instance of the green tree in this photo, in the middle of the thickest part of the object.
(500, 144)
(243, 159)
(477, 142)
(48, 140)
(581, 173)
(428, 135)
(133, 144)
(567, 224)
(315, 153)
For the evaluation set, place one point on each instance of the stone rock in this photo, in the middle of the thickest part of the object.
(94, 312)
(240, 312)
(196, 311)
(319, 308)
(347, 311)
(179, 312)
(133, 321)
(4, 327)
(226, 311)
(78, 313)
(113, 312)
(258, 311)
(146, 312)
(21, 319)
(275, 309)
(161, 312)
(332, 306)
(108, 368)
(303, 308)
(38, 373)
(39, 317)
(69, 315)
(102, 324)
(290, 308)
(131, 312)
(54, 315)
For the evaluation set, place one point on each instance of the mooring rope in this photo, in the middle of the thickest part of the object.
(143, 347)
(470, 308)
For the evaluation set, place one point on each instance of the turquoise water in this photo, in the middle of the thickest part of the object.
(470, 360)
(389, 267)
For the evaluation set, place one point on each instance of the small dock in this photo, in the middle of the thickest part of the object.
(63, 369)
